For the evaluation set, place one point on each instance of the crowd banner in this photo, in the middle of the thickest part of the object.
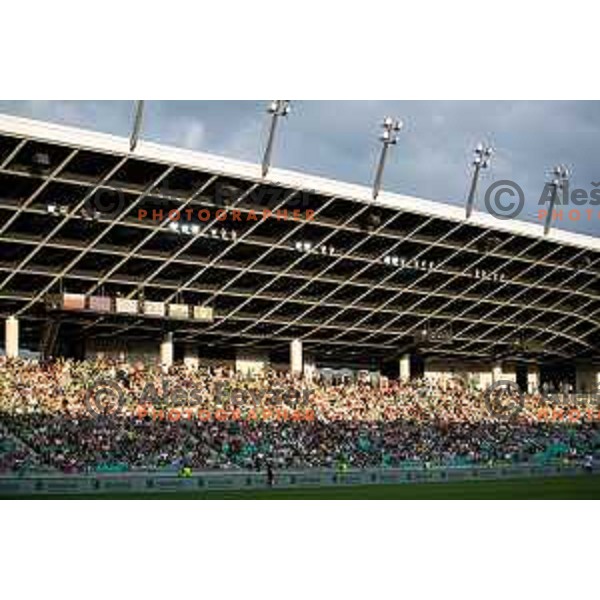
(73, 302)
(203, 313)
(127, 306)
(154, 309)
(101, 304)
(179, 311)
(170, 482)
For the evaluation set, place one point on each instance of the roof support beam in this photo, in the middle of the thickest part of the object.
(97, 239)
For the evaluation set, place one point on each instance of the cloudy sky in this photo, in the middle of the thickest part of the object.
(339, 140)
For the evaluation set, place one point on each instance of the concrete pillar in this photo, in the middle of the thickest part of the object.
(533, 379)
(190, 358)
(497, 372)
(166, 351)
(405, 366)
(296, 363)
(11, 337)
(486, 379)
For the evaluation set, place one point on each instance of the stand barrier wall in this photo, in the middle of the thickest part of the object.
(150, 482)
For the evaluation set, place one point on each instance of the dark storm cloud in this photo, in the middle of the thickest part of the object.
(339, 139)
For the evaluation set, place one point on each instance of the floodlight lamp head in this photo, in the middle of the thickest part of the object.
(560, 174)
(279, 108)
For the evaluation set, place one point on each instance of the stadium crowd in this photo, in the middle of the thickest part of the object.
(45, 422)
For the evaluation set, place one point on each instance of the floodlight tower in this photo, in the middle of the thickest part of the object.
(560, 178)
(277, 109)
(137, 124)
(389, 137)
(482, 160)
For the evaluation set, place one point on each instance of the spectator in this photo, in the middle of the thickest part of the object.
(43, 410)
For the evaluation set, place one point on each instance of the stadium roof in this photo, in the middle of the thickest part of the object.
(477, 288)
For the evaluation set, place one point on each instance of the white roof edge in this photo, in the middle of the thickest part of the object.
(93, 140)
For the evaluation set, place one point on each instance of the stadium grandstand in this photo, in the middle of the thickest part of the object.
(125, 259)
(92, 265)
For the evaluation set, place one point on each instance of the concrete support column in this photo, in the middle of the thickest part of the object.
(11, 337)
(405, 367)
(486, 379)
(296, 361)
(190, 358)
(533, 379)
(166, 351)
(496, 372)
